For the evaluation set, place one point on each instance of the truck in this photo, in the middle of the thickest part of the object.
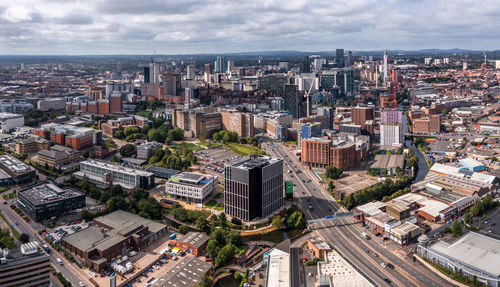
(172, 236)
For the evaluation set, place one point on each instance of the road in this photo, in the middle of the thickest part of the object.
(346, 235)
(67, 269)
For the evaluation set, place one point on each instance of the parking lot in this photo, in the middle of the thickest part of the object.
(213, 160)
(58, 233)
(491, 224)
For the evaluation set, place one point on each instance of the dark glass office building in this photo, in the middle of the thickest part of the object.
(47, 200)
(253, 187)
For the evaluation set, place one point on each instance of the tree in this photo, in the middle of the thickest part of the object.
(183, 229)
(130, 130)
(331, 186)
(128, 150)
(456, 229)
(226, 138)
(222, 220)
(6, 241)
(24, 238)
(202, 224)
(116, 203)
(206, 281)
(225, 255)
(276, 221)
(156, 135)
(212, 248)
(445, 111)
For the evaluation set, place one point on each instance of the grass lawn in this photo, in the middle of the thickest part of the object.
(211, 204)
(4, 188)
(209, 144)
(241, 149)
(190, 146)
(219, 206)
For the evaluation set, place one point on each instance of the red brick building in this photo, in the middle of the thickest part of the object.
(429, 124)
(193, 242)
(359, 115)
(322, 152)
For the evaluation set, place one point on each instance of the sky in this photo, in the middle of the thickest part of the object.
(98, 27)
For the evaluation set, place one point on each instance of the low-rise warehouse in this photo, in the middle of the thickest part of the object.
(388, 163)
(473, 255)
(111, 236)
(189, 272)
(193, 242)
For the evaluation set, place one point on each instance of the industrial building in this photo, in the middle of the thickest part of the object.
(14, 171)
(472, 164)
(111, 236)
(192, 187)
(472, 255)
(278, 265)
(48, 200)
(10, 121)
(102, 173)
(253, 187)
(26, 266)
(193, 243)
(188, 272)
(388, 163)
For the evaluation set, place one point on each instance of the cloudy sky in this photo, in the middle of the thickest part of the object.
(218, 26)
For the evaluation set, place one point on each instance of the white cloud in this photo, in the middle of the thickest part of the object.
(206, 26)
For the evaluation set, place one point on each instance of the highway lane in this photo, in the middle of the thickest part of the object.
(407, 270)
(68, 271)
(320, 200)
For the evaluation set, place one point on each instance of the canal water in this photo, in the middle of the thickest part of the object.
(422, 163)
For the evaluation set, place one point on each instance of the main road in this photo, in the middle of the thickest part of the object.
(345, 236)
(68, 270)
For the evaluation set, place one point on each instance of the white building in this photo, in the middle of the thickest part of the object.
(278, 269)
(428, 61)
(391, 135)
(9, 121)
(103, 173)
(192, 187)
(51, 104)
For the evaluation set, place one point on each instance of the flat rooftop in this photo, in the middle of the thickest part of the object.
(119, 219)
(278, 269)
(14, 165)
(6, 116)
(186, 273)
(340, 271)
(254, 161)
(48, 193)
(480, 251)
(320, 243)
(114, 167)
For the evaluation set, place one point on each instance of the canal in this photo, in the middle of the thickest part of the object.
(422, 163)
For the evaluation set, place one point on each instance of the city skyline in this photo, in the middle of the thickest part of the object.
(192, 27)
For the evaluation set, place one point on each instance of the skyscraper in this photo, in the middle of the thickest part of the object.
(339, 55)
(153, 73)
(386, 71)
(219, 64)
(146, 75)
(291, 99)
(349, 59)
(253, 187)
(171, 83)
(230, 66)
(306, 65)
(190, 72)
